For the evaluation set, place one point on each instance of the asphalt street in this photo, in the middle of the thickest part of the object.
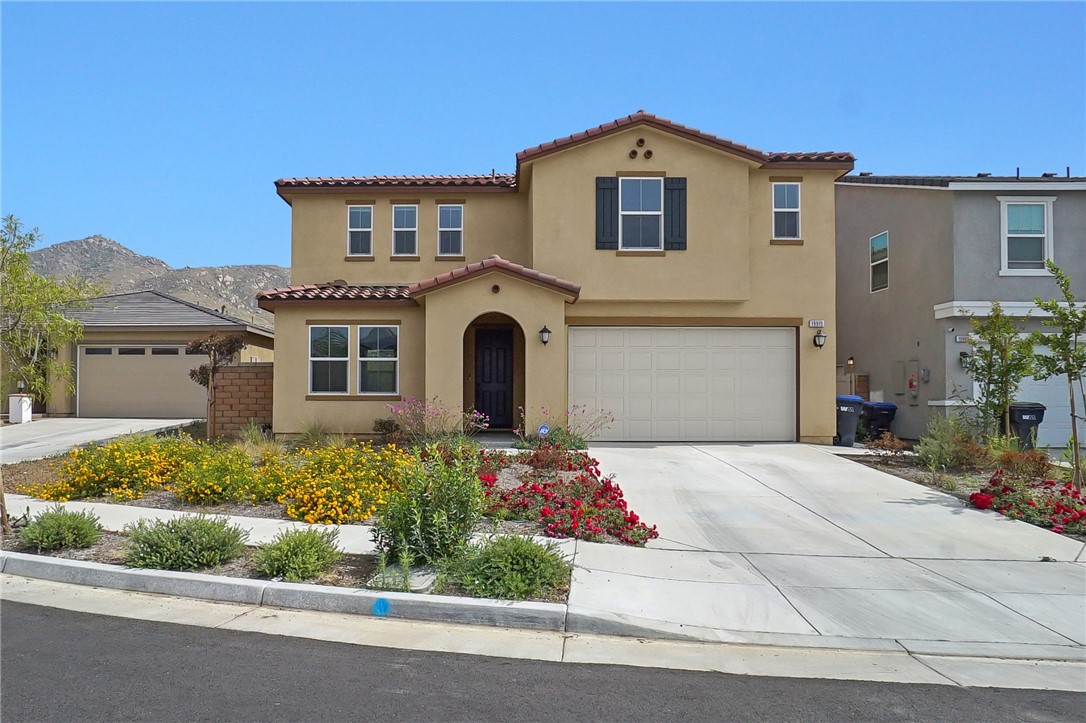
(57, 665)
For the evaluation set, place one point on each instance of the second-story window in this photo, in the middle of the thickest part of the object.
(785, 210)
(880, 261)
(405, 230)
(360, 230)
(450, 230)
(1026, 236)
(641, 213)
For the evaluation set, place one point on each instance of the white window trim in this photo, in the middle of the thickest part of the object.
(659, 213)
(459, 228)
(396, 359)
(1004, 202)
(872, 264)
(352, 228)
(415, 228)
(798, 210)
(311, 358)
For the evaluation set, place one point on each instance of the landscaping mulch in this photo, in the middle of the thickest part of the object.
(33, 472)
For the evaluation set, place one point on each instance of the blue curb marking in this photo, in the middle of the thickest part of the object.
(380, 607)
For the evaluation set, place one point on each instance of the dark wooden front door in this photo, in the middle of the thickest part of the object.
(494, 375)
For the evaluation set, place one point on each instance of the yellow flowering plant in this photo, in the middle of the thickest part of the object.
(216, 476)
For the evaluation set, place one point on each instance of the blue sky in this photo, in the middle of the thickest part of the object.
(163, 125)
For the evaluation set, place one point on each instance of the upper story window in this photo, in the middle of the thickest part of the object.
(450, 230)
(1025, 234)
(378, 359)
(641, 213)
(880, 261)
(360, 230)
(328, 359)
(786, 210)
(405, 230)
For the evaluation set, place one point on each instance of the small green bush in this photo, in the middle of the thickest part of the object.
(57, 528)
(511, 568)
(296, 555)
(433, 513)
(558, 437)
(184, 543)
(948, 445)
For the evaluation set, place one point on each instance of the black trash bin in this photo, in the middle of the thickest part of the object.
(877, 417)
(1025, 418)
(848, 413)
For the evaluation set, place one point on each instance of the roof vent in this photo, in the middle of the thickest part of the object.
(1048, 175)
(984, 175)
(337, 282)
(865, 173)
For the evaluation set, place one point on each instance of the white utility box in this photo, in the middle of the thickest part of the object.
(20, 408)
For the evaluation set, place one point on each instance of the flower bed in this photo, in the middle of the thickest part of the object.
(1045, 502)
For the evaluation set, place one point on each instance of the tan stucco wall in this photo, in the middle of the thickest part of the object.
(494, 223)
(342, 413)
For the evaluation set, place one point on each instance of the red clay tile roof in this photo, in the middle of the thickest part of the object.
(335, 291)
(641, 117)
(494, 262)
(497, 180)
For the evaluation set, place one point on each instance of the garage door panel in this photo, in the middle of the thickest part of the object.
(138, 385)
(719, 383)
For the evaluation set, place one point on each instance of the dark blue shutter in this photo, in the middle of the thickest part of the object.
(606, 212)
(674, 214)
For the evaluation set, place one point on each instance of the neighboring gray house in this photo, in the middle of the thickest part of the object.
(916, 255)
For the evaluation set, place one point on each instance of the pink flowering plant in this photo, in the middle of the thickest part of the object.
(570, 430)
(426, 420)
(1042, 502)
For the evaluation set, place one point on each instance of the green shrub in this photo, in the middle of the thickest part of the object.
(948, 445)
(216, 476)
(433, 513)
(512, 568)
(296, 555)
(558, 437)
(184, 543)
(316, 435)
(57, 528)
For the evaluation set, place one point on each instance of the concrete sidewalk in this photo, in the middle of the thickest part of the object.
(56, 435)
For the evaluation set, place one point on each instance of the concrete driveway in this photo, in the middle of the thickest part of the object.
(56, 435)
(789, 544)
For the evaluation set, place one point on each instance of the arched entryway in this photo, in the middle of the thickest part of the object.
(494, 369)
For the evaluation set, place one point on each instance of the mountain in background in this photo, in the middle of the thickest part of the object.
(104, 261)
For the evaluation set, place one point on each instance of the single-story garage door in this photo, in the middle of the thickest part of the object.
(727, 384)
(1055, 430)
(138, 380)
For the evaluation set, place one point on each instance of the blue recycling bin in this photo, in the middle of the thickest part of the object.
(877, 418)
(849, 408)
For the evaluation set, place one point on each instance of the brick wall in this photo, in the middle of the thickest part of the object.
(243, 393)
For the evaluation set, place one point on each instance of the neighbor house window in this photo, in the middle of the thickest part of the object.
(103, 350)
(360, 230)
(132, 351)
(785, 210)
(165, 351)
(880, 261)
(405, 230)
(450, 230)
(1026, 234)
(328, 359)
(641, 213)
(378, 359)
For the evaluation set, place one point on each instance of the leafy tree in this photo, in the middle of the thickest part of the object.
(1066, 352)
(32, 322)
(221, 350)
(1002, 357)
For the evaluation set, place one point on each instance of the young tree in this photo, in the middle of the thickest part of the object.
(1066, 352)
(32, 321)
(1002, 357)
(220, 350)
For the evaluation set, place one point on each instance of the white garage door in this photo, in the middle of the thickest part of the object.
(138, 380)
(727, 384)
(1055, 430)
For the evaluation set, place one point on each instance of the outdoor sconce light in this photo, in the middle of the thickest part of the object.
(851, 362)
(544, 335)
(820, 339)
(963, 359)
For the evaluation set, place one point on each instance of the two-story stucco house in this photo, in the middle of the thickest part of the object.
(918, 255)
(643, 267)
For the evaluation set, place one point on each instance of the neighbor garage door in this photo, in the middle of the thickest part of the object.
(138, 381)
(728, 384)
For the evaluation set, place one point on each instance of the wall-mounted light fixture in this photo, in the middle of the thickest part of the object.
(963, 358)
(544, 335)
(851, 362)
(820, 339)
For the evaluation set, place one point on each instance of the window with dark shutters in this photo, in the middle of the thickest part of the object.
(674, 214)
(607, 212)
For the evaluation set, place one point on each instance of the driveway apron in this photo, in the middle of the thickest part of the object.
(788, 540)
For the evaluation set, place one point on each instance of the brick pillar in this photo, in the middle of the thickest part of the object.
(243, 394)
